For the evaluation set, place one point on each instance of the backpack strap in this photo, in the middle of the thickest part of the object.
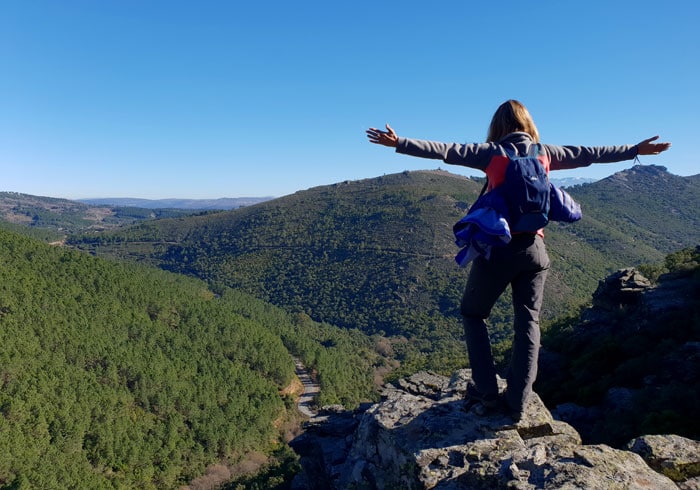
(532, 151)
(483, 189)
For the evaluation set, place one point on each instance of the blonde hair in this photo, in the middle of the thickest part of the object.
(511, 116)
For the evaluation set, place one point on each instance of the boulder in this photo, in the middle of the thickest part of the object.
(674, 456)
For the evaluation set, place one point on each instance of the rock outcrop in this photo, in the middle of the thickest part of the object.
(671, 455)
(422, 436)
(630, 364)
(642, 352)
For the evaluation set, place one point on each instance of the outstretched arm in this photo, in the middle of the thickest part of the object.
(646, 147)
(474, 155)
(386, 138)
(568, 157)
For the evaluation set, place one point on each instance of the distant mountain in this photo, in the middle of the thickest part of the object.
(571, 181)
(377, 254)
(51, 218)
(225, 203)
(642, 207)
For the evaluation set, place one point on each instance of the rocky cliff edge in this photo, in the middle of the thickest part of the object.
(422, 436)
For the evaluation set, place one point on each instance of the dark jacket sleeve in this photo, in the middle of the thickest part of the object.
(476, 155)
(565, 157)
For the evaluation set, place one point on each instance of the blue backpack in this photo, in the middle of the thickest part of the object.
(525, 202)
(526, 191)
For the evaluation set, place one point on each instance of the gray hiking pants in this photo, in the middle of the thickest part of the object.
(523, 264)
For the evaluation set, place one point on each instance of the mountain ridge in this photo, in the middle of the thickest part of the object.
(377, 254)
(216, 204)
(52, 218)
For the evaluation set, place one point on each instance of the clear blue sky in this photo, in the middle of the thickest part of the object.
(204, 99)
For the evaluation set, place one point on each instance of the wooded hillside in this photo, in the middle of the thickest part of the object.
(116, 375)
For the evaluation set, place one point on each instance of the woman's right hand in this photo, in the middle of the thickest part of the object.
(386, 138)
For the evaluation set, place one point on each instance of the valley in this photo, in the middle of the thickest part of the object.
(164, 342)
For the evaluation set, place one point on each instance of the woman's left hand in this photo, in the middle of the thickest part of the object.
(646, 147)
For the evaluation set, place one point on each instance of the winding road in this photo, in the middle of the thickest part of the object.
(311, 390)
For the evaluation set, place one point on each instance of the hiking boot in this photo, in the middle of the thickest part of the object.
(488, 401)
(516, 414)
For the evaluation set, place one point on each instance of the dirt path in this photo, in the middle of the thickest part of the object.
(311, 390)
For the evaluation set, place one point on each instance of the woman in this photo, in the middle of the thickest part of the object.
(523, 263)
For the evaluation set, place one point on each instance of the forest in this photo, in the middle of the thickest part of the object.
(117, 375)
